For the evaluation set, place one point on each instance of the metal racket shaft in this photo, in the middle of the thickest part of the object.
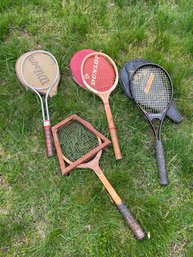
(46, 126)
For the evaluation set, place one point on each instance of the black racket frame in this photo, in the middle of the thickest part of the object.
(124, 80)
(163, 177)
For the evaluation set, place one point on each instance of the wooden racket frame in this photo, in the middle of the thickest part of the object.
(56, 128)
(105, 98)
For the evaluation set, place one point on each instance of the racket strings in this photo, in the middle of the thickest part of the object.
(76, 140)
(151, 89)
(39, 70)
(99, 73)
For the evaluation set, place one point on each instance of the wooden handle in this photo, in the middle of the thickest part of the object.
(112, 130)
(131, 221)
(48, 138)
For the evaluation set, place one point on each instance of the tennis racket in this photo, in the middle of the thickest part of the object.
(76, 141)
(152, 90)
(39, 72)
(99, 75)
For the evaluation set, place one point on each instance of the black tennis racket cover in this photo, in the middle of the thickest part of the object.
(124, 80)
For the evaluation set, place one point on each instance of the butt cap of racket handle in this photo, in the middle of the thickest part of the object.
(135, 227)
(161, 163)
(48, 138)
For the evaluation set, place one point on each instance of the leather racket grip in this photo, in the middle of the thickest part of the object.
(161, 163)
(48, 138)
(135, 227)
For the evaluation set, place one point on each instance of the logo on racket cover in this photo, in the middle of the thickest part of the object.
(94, 70)
(86, 76)
(149, 83)
(43, 79)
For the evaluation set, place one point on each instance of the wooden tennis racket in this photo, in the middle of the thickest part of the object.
(99, 75)
(76, 143)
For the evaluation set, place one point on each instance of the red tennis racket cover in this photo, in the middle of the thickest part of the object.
(75, 65)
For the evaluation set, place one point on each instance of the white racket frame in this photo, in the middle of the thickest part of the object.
(35, 89)
(97, 92)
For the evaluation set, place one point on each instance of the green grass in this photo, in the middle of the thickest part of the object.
(44, 214)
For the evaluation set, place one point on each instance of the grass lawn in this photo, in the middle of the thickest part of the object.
(43, 214)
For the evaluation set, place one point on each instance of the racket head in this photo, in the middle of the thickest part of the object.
(75, 65)
(152, 90)
(126, 72)
(99, 73)
(125, 75)
(38, 70)
(77, 142)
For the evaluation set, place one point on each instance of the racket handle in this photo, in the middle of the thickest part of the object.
(161, 163)
(48, 138)
(135, 227)
(113, 133)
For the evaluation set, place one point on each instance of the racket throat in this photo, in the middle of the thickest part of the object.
(104, 98)
(46, 123)
(154, 116)
(93, 165)
(97, 170)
